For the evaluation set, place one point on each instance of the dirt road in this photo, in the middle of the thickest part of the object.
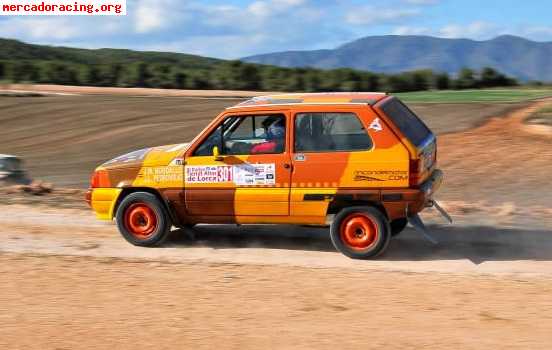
(72, 282)
(463, 248)
(91, 303)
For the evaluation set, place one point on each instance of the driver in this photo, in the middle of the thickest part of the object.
(275, 134)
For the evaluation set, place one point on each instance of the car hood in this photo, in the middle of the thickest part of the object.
(153, 156)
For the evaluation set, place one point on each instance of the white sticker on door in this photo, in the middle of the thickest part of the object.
(243, 174)
(255, 174)
(204, 174)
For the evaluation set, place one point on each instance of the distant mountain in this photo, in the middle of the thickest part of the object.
(514, 56)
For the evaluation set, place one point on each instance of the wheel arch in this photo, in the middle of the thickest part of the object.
(128, 190)
(337, 205)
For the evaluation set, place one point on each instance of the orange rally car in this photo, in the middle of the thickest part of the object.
(362, 162)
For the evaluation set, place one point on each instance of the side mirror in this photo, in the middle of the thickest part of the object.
(216, 153)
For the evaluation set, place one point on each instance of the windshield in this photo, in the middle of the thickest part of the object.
(407, 122)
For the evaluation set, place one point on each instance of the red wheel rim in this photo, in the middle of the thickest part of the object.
(140, 220)
(358, 231)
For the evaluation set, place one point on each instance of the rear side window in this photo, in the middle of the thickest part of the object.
(330, 132)
(407, 122)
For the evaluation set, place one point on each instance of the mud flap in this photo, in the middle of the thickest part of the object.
(419, 226)
(442, 211)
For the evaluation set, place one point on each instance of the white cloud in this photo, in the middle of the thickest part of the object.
(259, 8)
(476, 30)
(39, 28)
(230, 31)
(408, 30)
(422, 2)
(154, 15)
(537, 31)
(51, 29)
(368, 15)
(263, 9)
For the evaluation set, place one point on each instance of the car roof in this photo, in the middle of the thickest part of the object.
(365, 98)
(3, 156)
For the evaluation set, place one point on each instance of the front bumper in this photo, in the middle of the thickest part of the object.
(102, 201)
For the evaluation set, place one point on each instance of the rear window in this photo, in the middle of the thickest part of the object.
(407, 122)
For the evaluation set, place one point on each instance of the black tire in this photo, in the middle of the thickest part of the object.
(377, 245)
(162, 220)
(398, 226)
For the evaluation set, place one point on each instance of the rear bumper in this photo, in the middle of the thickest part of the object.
(431, 185)
(425, 193)
(413, 200)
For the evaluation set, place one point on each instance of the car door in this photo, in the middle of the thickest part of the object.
(251, 175)
(343, 152)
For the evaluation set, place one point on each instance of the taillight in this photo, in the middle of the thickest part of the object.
(416, 168)
(99, 179)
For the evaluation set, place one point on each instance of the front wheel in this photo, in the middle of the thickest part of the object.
(360, 232)
(143, 220)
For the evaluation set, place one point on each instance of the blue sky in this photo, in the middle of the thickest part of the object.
(237, 28)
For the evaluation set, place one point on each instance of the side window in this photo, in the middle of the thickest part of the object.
(214, 139)
(245, 135)
(330, 132)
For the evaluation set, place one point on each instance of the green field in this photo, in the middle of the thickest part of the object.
(462, 96)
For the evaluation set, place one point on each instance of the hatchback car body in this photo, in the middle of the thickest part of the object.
(362, 162)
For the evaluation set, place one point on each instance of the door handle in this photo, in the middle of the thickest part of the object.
(287, 166)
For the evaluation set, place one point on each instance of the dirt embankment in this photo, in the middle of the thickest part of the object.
(499, 162)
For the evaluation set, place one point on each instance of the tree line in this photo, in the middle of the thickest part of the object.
(237, 75)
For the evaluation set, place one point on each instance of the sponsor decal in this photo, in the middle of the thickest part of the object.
(380, 175)
(242, 174)
(209, 174)
(375, 125)
(163, 174)
(254, 174)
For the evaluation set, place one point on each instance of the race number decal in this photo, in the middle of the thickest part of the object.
(209, 174)
(243, 174)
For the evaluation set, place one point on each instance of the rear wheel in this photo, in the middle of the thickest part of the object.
(397, 226)
(142, 219)
(360, 232)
